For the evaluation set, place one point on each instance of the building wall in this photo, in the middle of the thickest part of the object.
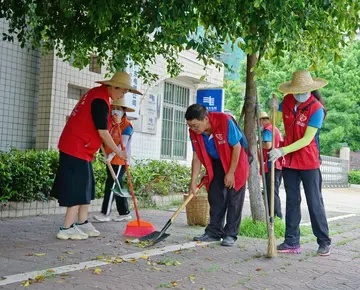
(19, 88)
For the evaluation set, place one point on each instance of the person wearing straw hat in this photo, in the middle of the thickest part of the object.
(219, 145)
(121, 132)
(303, 114)
(266, 147)
(86, 129)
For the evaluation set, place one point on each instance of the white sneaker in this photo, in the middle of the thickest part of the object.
(89, 229)
(73, 233)
(121, 218)
(102, 218)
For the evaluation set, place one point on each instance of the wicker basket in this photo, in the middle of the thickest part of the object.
(198, 211)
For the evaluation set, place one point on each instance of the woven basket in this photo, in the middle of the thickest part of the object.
(198, 211)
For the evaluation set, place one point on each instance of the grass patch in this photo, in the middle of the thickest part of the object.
(344, 242)
(249, 228)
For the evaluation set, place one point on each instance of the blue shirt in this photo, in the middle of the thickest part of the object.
(316, 120)
(127, 131)
(234, 137)
(267, 136)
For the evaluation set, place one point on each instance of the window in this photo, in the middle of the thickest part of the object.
(75, 93)
(95, 65)
(174, 129)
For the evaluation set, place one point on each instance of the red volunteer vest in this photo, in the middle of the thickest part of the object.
(295, 125)
(219, 126)
(80, 138)
(116, 132)
(278, 138)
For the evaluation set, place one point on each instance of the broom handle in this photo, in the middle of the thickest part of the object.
(272, 176)
(187, 200)
(112, 172)
(130, 184)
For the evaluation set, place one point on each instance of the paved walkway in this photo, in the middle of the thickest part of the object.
(29, 244)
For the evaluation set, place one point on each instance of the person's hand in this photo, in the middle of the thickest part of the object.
(229, 180)
(275, 154)
(193, 189)
(273, 102)
(123, 155)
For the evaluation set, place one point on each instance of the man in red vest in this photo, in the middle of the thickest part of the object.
(266, 147)
(86, 129)
(303, 113)
(219, 146)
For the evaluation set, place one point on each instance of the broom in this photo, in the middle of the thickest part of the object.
(138, 227)
(272, 241)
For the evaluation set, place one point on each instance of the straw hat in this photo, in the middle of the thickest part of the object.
(302, 82)
(121, 103)
(264, 115)
(121, 80)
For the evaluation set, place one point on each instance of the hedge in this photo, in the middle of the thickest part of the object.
(28, 176)
(354, 177)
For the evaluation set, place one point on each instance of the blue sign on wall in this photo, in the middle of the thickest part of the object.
(212, 99)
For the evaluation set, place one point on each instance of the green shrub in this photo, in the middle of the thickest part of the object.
(29, 175)
(354, 177)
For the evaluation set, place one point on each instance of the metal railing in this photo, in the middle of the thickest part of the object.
(335, 171)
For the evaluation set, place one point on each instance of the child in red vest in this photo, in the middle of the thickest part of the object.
(303, 113)
(219, 146)
(121, 132)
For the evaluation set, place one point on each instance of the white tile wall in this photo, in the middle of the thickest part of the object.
(19, 86)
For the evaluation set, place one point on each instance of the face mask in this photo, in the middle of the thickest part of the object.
(301, 98)
(117, 114)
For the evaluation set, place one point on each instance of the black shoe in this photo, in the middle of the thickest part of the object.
(324, 250)
(228, 241)
(206, 238)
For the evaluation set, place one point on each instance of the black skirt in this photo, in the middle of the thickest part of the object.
(74, 182)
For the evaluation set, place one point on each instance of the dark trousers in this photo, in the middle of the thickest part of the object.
(224, 201)
(121, 202)
(312, 182)
(277, 202)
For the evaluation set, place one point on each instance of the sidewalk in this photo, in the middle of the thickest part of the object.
(29, 244)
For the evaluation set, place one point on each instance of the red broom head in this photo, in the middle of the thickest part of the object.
(138, 229)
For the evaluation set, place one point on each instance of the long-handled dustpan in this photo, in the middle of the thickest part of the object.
(116, 189)
(156, 236)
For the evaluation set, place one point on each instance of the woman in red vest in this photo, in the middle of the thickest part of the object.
(303, 114)
(266, 147)
(219, 145)
(86, 129)
(121, 132)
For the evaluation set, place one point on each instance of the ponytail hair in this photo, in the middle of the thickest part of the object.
(319, 97)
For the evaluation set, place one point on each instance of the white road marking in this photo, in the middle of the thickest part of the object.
(340, 217)
(93, 264)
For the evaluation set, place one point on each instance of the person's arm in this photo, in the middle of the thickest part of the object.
(99, 113)
(303, 142)
(267, 139)
(235, 155)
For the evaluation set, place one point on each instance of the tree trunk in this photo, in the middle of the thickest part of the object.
(256, 200)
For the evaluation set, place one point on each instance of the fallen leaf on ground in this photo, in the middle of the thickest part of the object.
(39, 254)
(64, 275)
(210, 259)
(69, 252)
(3, 278)
(39, 278)
(258, 269)
(61, 258)
(157, 269)
(28, 255)
(174, 283)
(26, 283)
(97, 271)
(202, 288)
(178, 252)
(50, 271)
(144, 257)
(192, 277)
(100, 257)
